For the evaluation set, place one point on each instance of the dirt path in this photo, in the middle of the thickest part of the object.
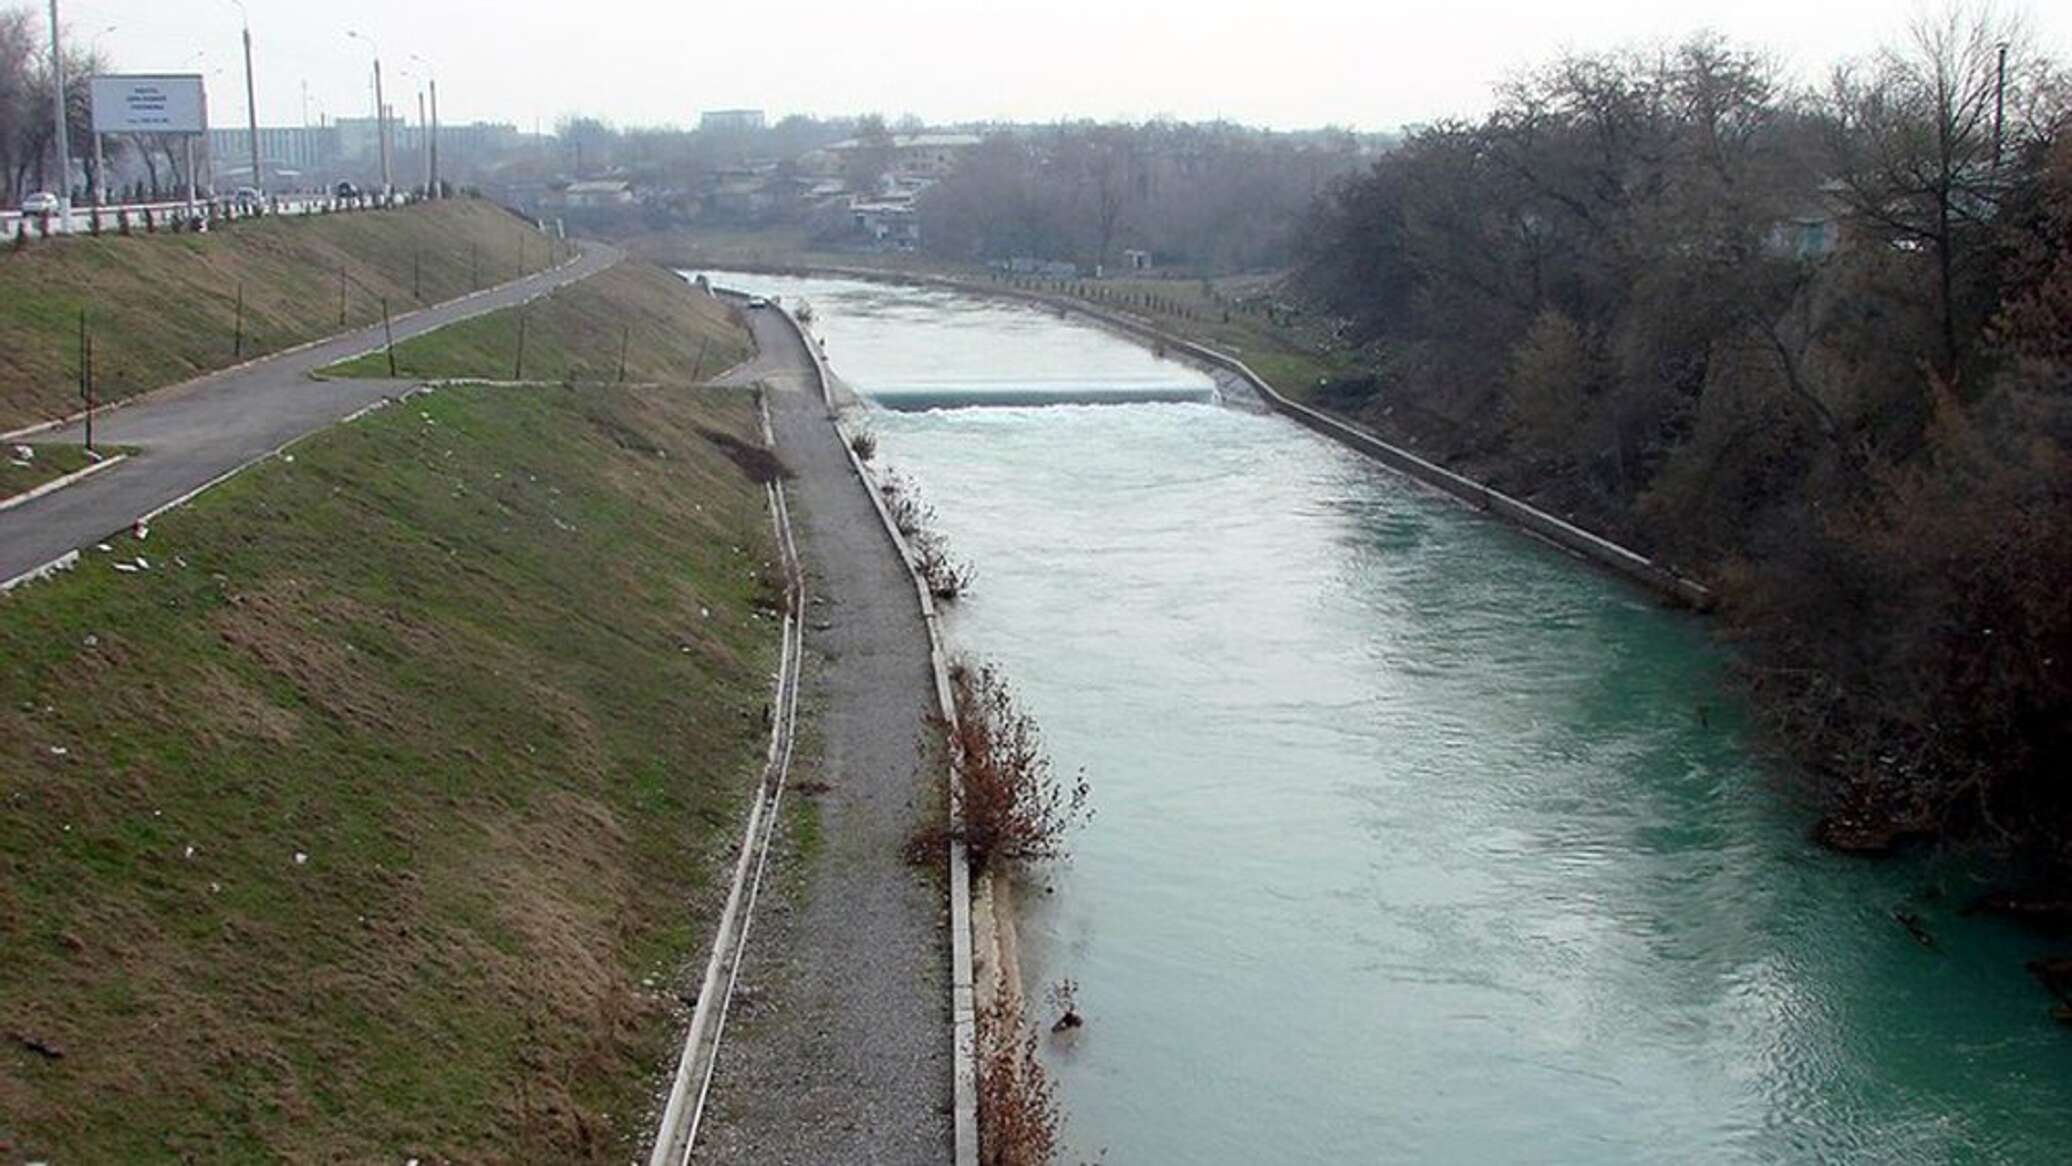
(837, 1048)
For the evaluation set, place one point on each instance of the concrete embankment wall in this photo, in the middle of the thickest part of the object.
(1594, 548)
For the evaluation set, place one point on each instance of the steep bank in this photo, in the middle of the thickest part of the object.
(636, 322)
(363, 822)
(163, 308)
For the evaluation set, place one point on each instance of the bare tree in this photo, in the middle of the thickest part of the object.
(1917, 139)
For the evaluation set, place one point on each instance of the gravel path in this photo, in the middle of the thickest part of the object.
(837, 1047)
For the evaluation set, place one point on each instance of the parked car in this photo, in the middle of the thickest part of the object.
(251, 198)
(346, 190)
(758, 302)
(42, 202)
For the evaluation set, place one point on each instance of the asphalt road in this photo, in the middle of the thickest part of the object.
(194, 433)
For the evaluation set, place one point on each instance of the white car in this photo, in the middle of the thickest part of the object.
(42, 202)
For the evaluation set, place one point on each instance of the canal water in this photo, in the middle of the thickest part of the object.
(1415, 840)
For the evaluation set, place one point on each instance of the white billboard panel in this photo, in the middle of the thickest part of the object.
(159, 103)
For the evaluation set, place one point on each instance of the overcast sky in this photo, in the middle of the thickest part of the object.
(1371, 64)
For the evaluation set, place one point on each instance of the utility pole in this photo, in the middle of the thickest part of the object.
(435, 137)
(381, 131)
(424, 130)
(1999, 105)
(64, 141)
(380, 114)
(251, 102)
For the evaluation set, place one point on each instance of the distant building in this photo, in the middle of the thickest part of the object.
(730, 121)
(598, 194)
(919, 159)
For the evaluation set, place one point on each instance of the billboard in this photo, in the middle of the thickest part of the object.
(154, 103)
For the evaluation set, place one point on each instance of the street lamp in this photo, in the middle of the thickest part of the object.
(64, 142)
(432, 160)
(93, 60)
(380, 113)
(251, 100)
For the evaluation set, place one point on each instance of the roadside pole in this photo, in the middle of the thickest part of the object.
(64, 141)
(518, 370)
(390, 335)
(86, 375)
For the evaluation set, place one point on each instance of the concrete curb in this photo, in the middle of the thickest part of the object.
(1594, 548)
(677, 1133)
(963, 995)
(56, 484)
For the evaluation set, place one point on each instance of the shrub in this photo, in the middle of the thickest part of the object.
(945, 577)
(865, 443)
(1019, 1116)
(1014, 807)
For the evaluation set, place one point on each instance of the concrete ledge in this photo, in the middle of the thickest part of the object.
(56, 484)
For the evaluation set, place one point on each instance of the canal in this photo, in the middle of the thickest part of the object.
(1416, 840)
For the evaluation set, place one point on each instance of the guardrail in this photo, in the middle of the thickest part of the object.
(164, 212)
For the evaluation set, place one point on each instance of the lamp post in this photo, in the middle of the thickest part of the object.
(380, 114)
(251, 100)
(432, 163)
(64, 142)
(93, 57)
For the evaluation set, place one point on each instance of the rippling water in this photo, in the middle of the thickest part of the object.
(1415, 840)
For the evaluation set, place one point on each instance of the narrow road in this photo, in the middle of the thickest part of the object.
(196, 432)
(837, 1048)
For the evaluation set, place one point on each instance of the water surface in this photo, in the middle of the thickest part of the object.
(1415, 840)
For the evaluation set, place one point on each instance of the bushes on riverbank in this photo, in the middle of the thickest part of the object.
(1808, 348)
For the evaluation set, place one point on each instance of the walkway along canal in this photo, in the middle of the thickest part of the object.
(1416, 840)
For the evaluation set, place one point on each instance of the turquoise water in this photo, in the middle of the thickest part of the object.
(1415, 840)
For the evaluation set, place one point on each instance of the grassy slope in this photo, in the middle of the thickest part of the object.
(575, 335)
(50, 462)
(163, 307)
(490, 660)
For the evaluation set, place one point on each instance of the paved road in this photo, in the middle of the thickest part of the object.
(837, 1049)
(193, 433)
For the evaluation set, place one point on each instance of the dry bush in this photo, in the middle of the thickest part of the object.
(946, 578)
(1014, 806)
(1019, 1116)
(865, 443)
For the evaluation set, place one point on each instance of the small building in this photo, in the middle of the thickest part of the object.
(730, 121)
(597, 194)
(1136, 260)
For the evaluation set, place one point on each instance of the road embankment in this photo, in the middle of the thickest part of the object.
(352, 811)
(164, 308)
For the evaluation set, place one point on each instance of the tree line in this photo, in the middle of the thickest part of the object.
(1812, 346)
(1203, 197)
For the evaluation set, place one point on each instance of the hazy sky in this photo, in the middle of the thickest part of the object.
(1372, 64)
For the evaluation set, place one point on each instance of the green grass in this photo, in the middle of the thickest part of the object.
(669, 333)
(163, 308)
(50, 462)
(489, 659)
